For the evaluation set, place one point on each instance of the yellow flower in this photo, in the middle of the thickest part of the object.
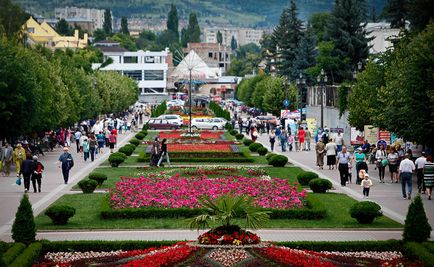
(237, 242)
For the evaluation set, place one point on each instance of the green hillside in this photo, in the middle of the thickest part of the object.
(251, 13)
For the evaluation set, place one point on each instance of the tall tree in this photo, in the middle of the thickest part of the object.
(305, 55)
(99, 35)
(234, 43)
(12, 18)
(184, 37)
(219, 37)
(107, 26)
(396, 12)
(173, 21)
(319, 23)
(23, 228)
(420, 13)
(62, 27)
(124, 26)
(347, 31)
(193, 30)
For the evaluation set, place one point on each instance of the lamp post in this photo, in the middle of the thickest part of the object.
(322, 79)
(301, 82)
(189, 102)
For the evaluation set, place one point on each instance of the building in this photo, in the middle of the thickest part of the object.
(43, 34)
(87, 14)
(149, 69)
(383, 36)
(214, 54)
(242, 35)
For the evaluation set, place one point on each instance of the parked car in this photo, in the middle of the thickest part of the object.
(173, 118)
(270, 119)
(175, 103)
(205, 123)
(159, 124)
(219, 120)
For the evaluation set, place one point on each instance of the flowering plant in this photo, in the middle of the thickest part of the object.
(228, 235)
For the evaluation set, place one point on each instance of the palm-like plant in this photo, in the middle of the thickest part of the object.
(227, 207)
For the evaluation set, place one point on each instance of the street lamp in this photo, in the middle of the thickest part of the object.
(322, 79)
(301, 82)
(189, 101)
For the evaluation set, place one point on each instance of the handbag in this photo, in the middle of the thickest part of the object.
(18, 181)
(384, 162)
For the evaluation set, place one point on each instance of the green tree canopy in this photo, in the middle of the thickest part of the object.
(62, 28)
(234, 43)
(396, 12)
(275, 93)
(12, 18)
(319, 23)
(219, 37)
(173, 21)
(107, 26)
(124, 26)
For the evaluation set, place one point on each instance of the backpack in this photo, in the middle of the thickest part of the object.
(92, 143)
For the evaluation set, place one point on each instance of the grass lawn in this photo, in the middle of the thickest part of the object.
(88, 205)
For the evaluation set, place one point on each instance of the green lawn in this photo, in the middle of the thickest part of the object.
(88, 205)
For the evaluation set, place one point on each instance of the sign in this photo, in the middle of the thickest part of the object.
(287, 114)
(384, 135)
(371, 134)
(286, 103)
(356, 137)
(311, 124)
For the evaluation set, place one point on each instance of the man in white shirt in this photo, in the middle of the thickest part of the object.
(406, 169)
(420, 164)
(339, 140)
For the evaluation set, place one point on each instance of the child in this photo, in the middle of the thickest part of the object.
(366, 184)
(350, 171)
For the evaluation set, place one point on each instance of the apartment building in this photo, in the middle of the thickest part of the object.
(213, 54)
(85, 14)
(242, 35)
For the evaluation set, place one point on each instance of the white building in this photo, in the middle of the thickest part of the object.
(383, 36)
(149, 69)
(89, 14)
(242, 35)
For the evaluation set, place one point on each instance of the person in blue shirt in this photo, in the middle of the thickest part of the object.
(66, 163)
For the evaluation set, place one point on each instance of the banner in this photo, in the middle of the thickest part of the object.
(371, 134)
(295, 115)
(356, 137)
(384, 135)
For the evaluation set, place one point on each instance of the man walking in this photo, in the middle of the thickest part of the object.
(66, 163)
(343, 160)
(420, 164)
(18, 156)
(27, 168)
(339, 140)
(6, 159)
(77, 136)
(406, 168)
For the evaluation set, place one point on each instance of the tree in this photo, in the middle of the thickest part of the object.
(173, 21)
(193, 30)
(373, 15)
(416, 227)
(124, 26)
(319, 23)
(420, 13)
(325, 60)
(62, 27)
(396, 12)
(219, 37)
(184, 37)
(107, 26)
(23, 228)
(305, 56)
(259, 91)
(347, 31)
(12, 18)
(234, 43)
(125, 41)
(275, 94)
(99, 35)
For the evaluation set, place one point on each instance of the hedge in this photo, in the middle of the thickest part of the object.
(305, 177)
(236, 157)
(10, 255)
(219, 111)
(134, 141)
(314, 211)
(419, 251)
(255, 146)
(27, 258)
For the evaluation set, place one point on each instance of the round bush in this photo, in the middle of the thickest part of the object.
(135, 141)
(239, 136)
(127, 150)
(319, 185)
(60, 214)
(278, 161)
(262, 151)
(305, 177)
(269, 156)
(233, 132)
(145, 132)
(365, 212)
(117, 158)
(98, 177)
(255, 146)
(145, 127)
(88, 186)
(247, 142)
(140, 135)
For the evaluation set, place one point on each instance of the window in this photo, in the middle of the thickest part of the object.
(210, 54)
(149, 60)
(128, 60)
(154, 75)
(134, 74)
(31, 30)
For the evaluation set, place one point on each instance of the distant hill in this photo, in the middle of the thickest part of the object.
(248, 13)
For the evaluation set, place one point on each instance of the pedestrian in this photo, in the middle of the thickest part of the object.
(164, 152)
(100, 138)
(380, 160)
(406, 169)
(392, 160)
(112, 141)
(308, 137)
(155, 152)
(343, 160)
(26, 170)
(18, 156)
(6, 159)
(82, 139)
(92, 147)
(37, 174)
(283, 139)
(428, 175)
(290, 141)
(339, 140)
(330, 149)
(360, 158)
(85, 149)
(320, 149)
(240, 125)
(420, 165)
(301, 136)
(325, 136)
(77, 136)
(254, 134)
(366, 184)
(66, 162)
(272, 140)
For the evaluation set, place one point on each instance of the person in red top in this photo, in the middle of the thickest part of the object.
(301, 135)
(112, 141)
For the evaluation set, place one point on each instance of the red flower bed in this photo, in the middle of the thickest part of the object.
(199, 147)
(294, 258)
(231, 235)
(203, 135)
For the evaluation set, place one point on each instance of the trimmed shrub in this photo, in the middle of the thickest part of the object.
(88, 186)
(134, 141)
(27, 258)
(60, 214)
(278, 161)
(305, 177)
(139, 136)
(127, 149)
(262, 151)
(270, 155)
(239, 136)
(255, 146)
(145, 132)
(117, 158)
(365, 212)
(229, 126)
(98, 177)
(145, 127)
(416, 227)
(23, 228)
(420, 252)
(247, 142)
(319, 185)
(233, 132)
(13, 252)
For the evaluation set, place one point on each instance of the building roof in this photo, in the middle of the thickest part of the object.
(102, 42)
(115, 49)
(199, 69)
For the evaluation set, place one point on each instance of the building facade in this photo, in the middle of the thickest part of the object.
(213, 54)
(86, 14)
(242, 35)
(383, 36)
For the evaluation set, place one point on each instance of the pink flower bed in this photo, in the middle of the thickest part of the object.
(177, 191)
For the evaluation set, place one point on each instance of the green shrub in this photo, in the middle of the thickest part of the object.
(255, 146)
(145, 127)
(239, 136)
(135, 141)
(139, 136)
(98, 177)
(416, 226)
(27, 258)
(262, 151)
(233, 132)
(365, 212)
(145, 132)
(127, 149)
(23, 228)
(13, 252)
(420, 252)
(117, 158)
(270, 155)
(278, 161)
(87, 186)
(305, 177)
(60, 214)
(319, 185)
(229, 126)
(247, 142)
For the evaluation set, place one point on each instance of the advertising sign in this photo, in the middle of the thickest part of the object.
(371, 134)
(384, 135)
(311, 124)
(290, 114)
(356, 137)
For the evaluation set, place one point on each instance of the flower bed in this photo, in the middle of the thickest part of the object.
(177, 191)
(181, 134)
(231, 235)
(199, 147)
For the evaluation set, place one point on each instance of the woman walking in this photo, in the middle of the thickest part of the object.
(428, 175)
(164, 153)
(155, 152)
(380, 157)
(331, 154)
(272, 140)
(320, 149)
(301, 136)
(360, 163)
(37, 174)
(392, 158)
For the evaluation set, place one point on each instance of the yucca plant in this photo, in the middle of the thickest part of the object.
(226, 208)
